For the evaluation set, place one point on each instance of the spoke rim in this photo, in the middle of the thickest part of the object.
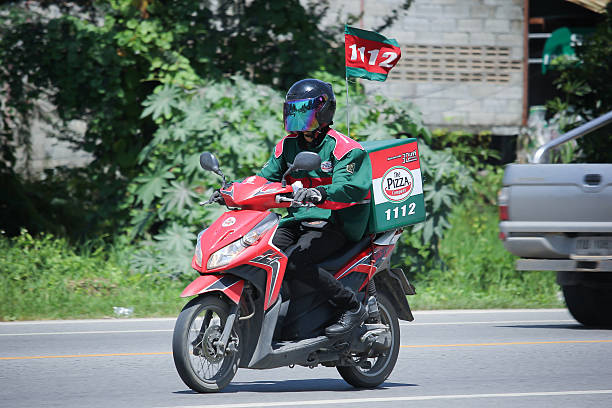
(204, 367)
(385, 358)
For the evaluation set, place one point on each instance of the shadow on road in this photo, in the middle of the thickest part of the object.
(309, 385)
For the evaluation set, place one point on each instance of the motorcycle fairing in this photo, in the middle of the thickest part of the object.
(255, 193)
(366, 263)
(229, 227)
(229, 285)
(261, 352)
(302, 325)
(263, 255)
(274, 262)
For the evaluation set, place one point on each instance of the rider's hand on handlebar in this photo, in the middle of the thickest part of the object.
(216, 197)
(308, 195)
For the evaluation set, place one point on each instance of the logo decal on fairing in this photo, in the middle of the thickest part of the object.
(228, 222)
(397, 183)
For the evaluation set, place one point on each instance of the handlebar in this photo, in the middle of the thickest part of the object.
(280, 199)
(217, 198)
(255, 192)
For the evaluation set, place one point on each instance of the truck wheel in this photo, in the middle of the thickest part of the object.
(590, 306)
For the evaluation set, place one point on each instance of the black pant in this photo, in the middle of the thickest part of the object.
(306, 246)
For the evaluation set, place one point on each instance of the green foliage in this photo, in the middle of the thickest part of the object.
(98, 61)
(477, 271)
(237, 120)
(44, 277)
(586, 91)
(445, 181)
(241, 122)
(74, 64)
(455, 170)
(473, 150)
(373, 117)
(487, 184)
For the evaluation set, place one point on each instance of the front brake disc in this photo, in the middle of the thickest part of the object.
(211, 337)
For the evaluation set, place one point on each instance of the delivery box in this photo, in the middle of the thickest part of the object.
(397, 187)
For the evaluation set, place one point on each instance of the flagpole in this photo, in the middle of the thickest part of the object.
(348, 127)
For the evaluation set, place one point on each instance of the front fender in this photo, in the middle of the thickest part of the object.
(229, 285)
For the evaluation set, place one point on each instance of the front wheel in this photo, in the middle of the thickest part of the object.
(382, 364)
(198, 360)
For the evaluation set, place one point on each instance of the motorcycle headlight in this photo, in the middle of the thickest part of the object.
(226, 254)
(198, 249)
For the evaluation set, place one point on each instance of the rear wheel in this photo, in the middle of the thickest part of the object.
(198, 360)
(382, 364)
(589, 305)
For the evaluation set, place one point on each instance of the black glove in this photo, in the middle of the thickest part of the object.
(216, 197)
(308, 195)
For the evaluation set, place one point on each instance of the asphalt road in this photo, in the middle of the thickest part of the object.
(448, 359)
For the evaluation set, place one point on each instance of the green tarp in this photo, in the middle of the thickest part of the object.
(563, 41)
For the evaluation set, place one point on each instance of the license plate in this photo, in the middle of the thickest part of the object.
(597, 246)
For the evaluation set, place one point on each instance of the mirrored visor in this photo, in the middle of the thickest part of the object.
(301, 115)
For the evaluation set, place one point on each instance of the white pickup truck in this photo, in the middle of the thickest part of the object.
(558, 217)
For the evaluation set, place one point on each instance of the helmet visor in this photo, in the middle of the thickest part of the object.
(301, 115)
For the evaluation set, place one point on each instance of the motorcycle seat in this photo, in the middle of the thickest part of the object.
(341, 257)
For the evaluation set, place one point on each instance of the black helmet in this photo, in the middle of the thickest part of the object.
(310, 104)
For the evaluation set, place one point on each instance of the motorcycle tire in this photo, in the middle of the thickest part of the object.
(382, 367)
(198, 326)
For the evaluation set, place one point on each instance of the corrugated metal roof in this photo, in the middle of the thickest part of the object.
(598, 6)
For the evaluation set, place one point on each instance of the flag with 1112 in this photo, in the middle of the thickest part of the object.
(368, 54)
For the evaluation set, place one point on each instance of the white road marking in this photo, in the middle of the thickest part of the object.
(486, 322)
(401, 323)
(396, 399)
(173, 319)
(113, 320)
(86, 332)
(484, 311)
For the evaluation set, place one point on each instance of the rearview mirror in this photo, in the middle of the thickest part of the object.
(209, 162)
(303, 161)
(306, 161)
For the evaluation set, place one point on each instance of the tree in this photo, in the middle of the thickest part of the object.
(98, 61)
(587, 90)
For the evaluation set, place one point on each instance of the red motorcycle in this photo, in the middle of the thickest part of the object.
(246, 315)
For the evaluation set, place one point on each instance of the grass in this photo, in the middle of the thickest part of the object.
(46, 278)
(477, 272)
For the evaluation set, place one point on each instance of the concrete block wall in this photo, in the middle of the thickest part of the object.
(462, 60)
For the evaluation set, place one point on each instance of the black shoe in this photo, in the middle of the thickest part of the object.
(347, 322)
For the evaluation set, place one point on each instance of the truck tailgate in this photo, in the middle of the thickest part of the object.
(551, 206)
(563, 193)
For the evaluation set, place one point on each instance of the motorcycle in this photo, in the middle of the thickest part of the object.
(245, 314)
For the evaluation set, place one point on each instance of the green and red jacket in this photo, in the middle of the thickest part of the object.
(344, 180)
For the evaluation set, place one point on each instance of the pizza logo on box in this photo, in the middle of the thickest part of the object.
(397, 183)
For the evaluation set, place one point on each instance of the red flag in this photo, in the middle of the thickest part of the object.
(368, 54)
